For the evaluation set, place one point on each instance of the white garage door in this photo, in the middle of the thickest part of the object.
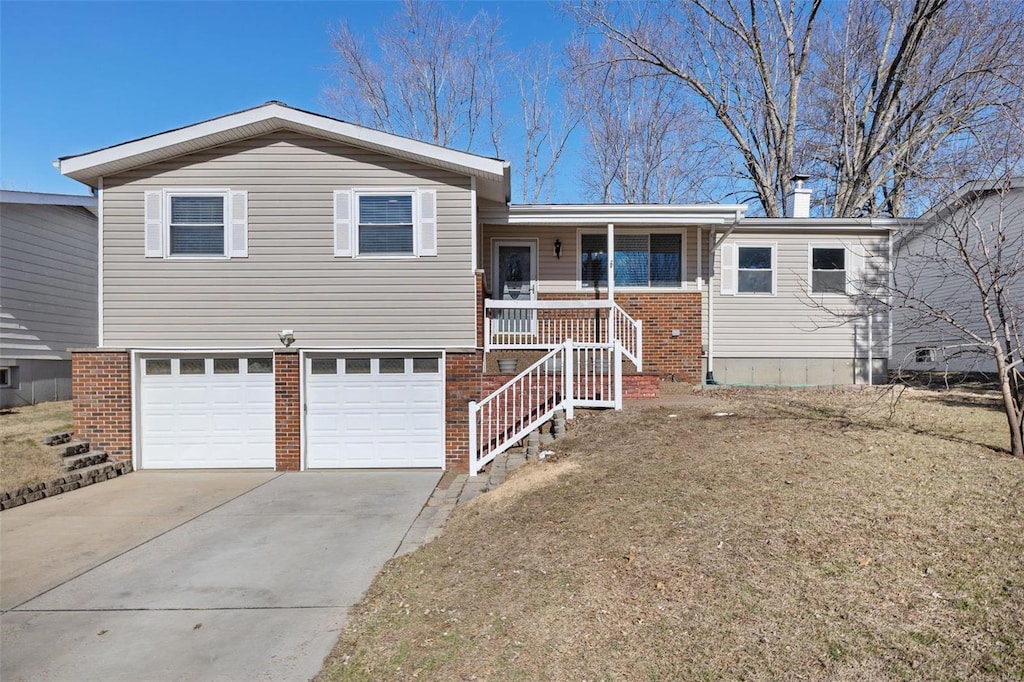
(213, 412)
(373, 412)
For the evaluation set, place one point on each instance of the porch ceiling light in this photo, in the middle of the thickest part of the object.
(287, 337)
(558, 249)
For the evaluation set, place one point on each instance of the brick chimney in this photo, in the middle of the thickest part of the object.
(798, 201)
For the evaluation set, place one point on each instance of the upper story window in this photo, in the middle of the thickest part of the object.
(385, 225)
(196, 225)
(756, 270)
(641, 260)
(828, 270)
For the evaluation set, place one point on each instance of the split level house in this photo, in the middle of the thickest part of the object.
(48, 283)
(283, 289)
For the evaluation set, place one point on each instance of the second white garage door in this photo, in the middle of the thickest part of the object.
(370, 412)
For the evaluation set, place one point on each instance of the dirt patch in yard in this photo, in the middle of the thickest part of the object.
(23, 458)
(805, 535)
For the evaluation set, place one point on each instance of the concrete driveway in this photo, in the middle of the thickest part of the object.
(186, 575)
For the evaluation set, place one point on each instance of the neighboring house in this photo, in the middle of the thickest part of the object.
(48, 249)
(929, 273)
(283, 289)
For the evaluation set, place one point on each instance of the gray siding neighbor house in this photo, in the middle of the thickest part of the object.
(282, 289)
(48, 283)
(929, 274)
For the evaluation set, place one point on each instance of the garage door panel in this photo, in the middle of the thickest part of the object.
(374, 420)
(207, 420)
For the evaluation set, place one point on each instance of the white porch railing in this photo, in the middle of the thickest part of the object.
(544, 325)
(572, 375)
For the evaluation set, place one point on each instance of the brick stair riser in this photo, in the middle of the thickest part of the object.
(84, 460)
(72, 449)
(58, 438)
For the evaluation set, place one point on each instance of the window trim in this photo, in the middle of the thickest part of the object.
(223, 193)
(847, 255)
(682, 232)
(7, 377)
(414, 195)
(774, 246)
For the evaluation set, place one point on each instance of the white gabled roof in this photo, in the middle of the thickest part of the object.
(493, 175)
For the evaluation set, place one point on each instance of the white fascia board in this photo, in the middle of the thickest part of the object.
(823, 224)
(472, 164)
(8, 196)
(619, 214)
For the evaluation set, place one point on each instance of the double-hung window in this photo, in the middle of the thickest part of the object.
(385, 224)
(828, 270)
(755, 272)
(196, 225)
(641, 260)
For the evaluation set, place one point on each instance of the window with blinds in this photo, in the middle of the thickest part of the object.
(196, 226)
(641, 260)
(386, 224)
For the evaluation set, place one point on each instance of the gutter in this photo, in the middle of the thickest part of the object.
(709, 377)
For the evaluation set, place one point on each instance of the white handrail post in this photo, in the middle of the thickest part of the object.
(473, 458)
(487, 331)
(639, 345)
(568, 372)
(618, 375)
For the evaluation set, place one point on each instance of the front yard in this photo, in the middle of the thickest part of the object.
(23, 458)
(806, 534)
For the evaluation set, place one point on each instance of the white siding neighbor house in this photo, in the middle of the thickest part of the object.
(929, 274)
(48, 283)
(283, 289)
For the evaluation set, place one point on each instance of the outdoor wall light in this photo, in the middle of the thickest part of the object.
(558, 249)
(287, 337)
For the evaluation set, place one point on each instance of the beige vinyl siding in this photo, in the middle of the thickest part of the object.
(291, 278)
(794, 323)
(48, 280)
(559, 275)
(950, 289)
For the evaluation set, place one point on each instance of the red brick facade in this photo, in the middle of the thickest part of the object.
(664, 355)
(101, 383)
(463, 382)
(288, 411)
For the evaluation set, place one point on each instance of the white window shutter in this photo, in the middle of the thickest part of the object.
(728, 270)
(154, 224)
(238, 239)
(343, 206)
(428, 222)
(855, 283)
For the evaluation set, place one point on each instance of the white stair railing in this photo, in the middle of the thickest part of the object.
(572, 375)
(544, 325)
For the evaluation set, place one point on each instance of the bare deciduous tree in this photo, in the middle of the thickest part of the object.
(436, 78)
(548, 120)
(958, 287)
(865, 94)
(643, 140)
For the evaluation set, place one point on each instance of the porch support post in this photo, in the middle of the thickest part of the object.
(568, 376)
(611, 262)
(618, 374)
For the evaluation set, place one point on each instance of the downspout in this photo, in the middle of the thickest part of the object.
(709, 378)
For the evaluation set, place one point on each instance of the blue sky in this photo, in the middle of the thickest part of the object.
(77, 76)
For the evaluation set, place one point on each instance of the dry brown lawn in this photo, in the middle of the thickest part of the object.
(809, 535)
(23, 457)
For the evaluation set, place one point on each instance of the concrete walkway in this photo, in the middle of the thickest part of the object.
(212, 576)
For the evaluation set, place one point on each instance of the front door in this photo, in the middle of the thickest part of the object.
(515, 272)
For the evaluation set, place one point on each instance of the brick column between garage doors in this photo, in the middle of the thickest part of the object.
(101, 383)
(288, 411)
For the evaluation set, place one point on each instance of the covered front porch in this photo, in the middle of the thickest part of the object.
(599, 275)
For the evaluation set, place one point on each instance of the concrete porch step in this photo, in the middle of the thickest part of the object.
(58, 438)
